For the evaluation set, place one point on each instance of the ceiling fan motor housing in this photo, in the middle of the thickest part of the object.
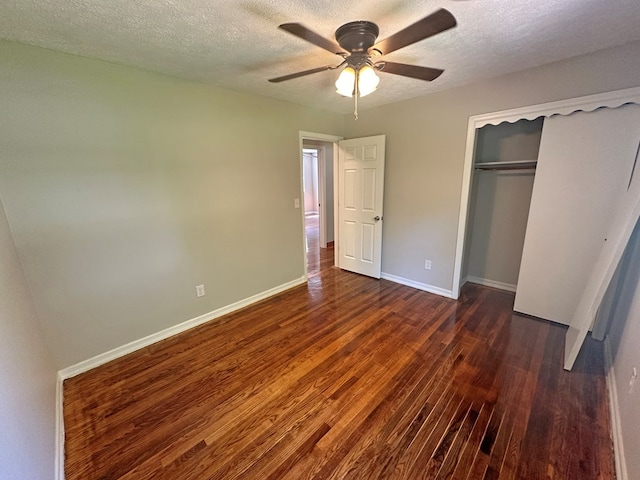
(357, 37)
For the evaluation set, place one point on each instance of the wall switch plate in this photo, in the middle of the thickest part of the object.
(427, 264)
(296, 202)
(200, 291)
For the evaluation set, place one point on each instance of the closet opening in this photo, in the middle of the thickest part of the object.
(504, 166)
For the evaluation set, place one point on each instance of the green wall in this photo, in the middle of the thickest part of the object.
(125, 189)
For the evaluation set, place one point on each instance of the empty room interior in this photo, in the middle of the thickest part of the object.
(319, 239)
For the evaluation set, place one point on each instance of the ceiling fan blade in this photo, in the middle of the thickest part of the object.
(413, 71)
(304, 33)
(301, 74)
(433, 24)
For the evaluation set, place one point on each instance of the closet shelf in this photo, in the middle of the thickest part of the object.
(514, 165)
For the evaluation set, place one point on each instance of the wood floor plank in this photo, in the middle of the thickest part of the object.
(454, 452)
(472, 445)
(347, 377)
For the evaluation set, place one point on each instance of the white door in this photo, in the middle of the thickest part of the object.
(361, 184)
(623, 218)
(584, 165)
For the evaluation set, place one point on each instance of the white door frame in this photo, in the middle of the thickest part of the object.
(322, 194)
(563, 107)
(322, 137)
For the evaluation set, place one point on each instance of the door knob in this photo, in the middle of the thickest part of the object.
(377, 218)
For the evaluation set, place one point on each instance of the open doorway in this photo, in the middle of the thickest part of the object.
(352, 170)
(318, 153)
(311, 206)
(310, 181)
(317, 184)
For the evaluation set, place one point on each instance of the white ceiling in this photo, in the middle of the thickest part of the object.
(236, 43)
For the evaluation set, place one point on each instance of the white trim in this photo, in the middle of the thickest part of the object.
(587, 103)
(323, 137)
(420, 286)
(118, 352)
(490, 283)
(59, 441)
(467, 178)
(563, 107)
(336, 203)
(616, 430)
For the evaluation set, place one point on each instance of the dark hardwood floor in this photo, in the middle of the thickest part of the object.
(347, 378)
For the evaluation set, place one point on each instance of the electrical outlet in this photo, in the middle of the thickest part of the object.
(634, 378)
(200, 291)
(296, 203)
(427, 264)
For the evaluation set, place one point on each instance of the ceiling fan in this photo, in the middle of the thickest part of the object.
(359, 50)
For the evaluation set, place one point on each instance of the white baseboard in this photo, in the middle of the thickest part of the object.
(59, 442)
(118, 352)
(490, 283)
(420, 286)
(616, 430)
(130, 347)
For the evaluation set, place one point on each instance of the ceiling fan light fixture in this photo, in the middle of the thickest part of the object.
(345, 85)
(367, 80)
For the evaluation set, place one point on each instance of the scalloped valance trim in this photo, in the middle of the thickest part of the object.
(588, 103)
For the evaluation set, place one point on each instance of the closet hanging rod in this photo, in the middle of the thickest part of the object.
(514, 165)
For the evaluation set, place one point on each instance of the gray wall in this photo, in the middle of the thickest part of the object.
(497, 225)
(624, 338)
(508, 142)
(27, 375)
(426, 146)
(499, 202)
(125, 189)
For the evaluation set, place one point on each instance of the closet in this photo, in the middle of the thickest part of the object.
(584, 203)
(505, 160)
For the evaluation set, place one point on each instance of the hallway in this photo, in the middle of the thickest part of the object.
(317, 258)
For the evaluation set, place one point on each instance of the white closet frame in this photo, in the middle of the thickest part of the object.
(620, 230)
(587, 103)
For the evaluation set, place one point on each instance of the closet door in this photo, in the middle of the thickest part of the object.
(585, 165)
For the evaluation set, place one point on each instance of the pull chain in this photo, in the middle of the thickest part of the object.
(355, 112)
(356, 94)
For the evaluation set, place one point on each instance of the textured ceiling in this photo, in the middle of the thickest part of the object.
(236, 43)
